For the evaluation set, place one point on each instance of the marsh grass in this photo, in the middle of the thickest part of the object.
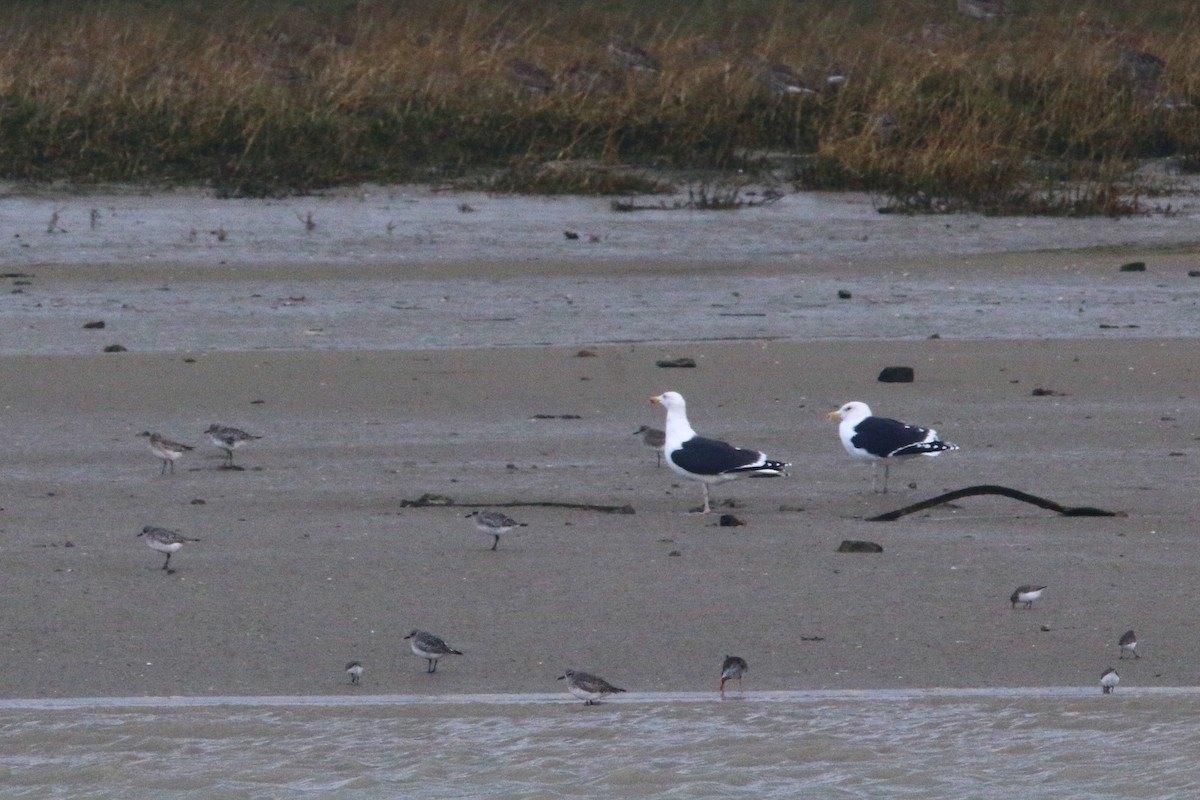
(1036, 112)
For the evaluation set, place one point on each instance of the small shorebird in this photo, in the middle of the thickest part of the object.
(1026, 593)
(1109, 680)
(355, 670)
(732, 669)
(430, 648)
(228, 439)
(589, 688)
(653, 437)
(165, 541)
(167, 451)
(880, 439)
(1128, 643)
(493, 523)
(707, 460)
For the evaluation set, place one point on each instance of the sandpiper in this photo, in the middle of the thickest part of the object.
(355, 670)
(587, 687)
(653, 437)
(1026, 593)
(430, 647)
(493, 523)
(165, 541)
(1128, 643)
(167, 451)
(732, 669)
(1109, 680)
(228, 439)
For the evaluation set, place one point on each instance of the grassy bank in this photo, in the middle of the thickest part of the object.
(1042, 110)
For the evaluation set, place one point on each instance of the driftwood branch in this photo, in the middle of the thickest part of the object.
(439, 500)
(1025, 497)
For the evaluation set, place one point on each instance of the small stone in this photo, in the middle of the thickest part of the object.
(198, 502)
(1194, 273)
(1040, 392)
(897, 375)
(729, 521)
(1134, 266)
(570, 235)
(844, 294)
(676, 363)
(96, 325)
(115, 348)
(674, 554)
(859, 546)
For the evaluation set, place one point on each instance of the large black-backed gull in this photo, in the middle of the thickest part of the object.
(881, 439)
(707, 460)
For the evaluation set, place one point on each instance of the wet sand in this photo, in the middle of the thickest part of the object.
(308, 559)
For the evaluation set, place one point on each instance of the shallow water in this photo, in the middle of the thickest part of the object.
(1062, 743)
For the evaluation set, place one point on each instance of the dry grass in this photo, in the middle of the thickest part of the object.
(938, 111)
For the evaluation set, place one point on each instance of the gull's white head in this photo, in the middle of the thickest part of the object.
(853, 412)
(669, 400)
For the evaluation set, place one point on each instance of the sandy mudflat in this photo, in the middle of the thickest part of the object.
(308, 560)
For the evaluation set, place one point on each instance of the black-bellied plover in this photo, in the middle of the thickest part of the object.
(494, 523)
(1026, 593)
(1128, 644)
(430, 648)
(355, 670)
(653, 437)
(707, 460)
(165, 541)
(880, 439)
(167, 451)
(1109, 680)
(228, 439)
(732, 669)
(589, 688)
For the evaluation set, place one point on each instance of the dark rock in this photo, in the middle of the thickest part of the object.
(896, 375)
(115, 348)
(844, 294)
(674, 554)
(1134, 266)
(859, 546)
(1040, 392)
(199, 502)
(730, 521)
(1194, 273)
(98, 324)
(681, 363)
(571, 235)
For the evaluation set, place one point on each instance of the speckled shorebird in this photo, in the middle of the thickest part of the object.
(707, 460)
(653, 437)
(228, 439)
(1128, 644)
(589, 688)
(167, 451)
(732, 669)
(355, 670)
(1109, 680)
(165, 541)
(883, 440)
(430, 647)
(494, 523)
(1026, 593)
